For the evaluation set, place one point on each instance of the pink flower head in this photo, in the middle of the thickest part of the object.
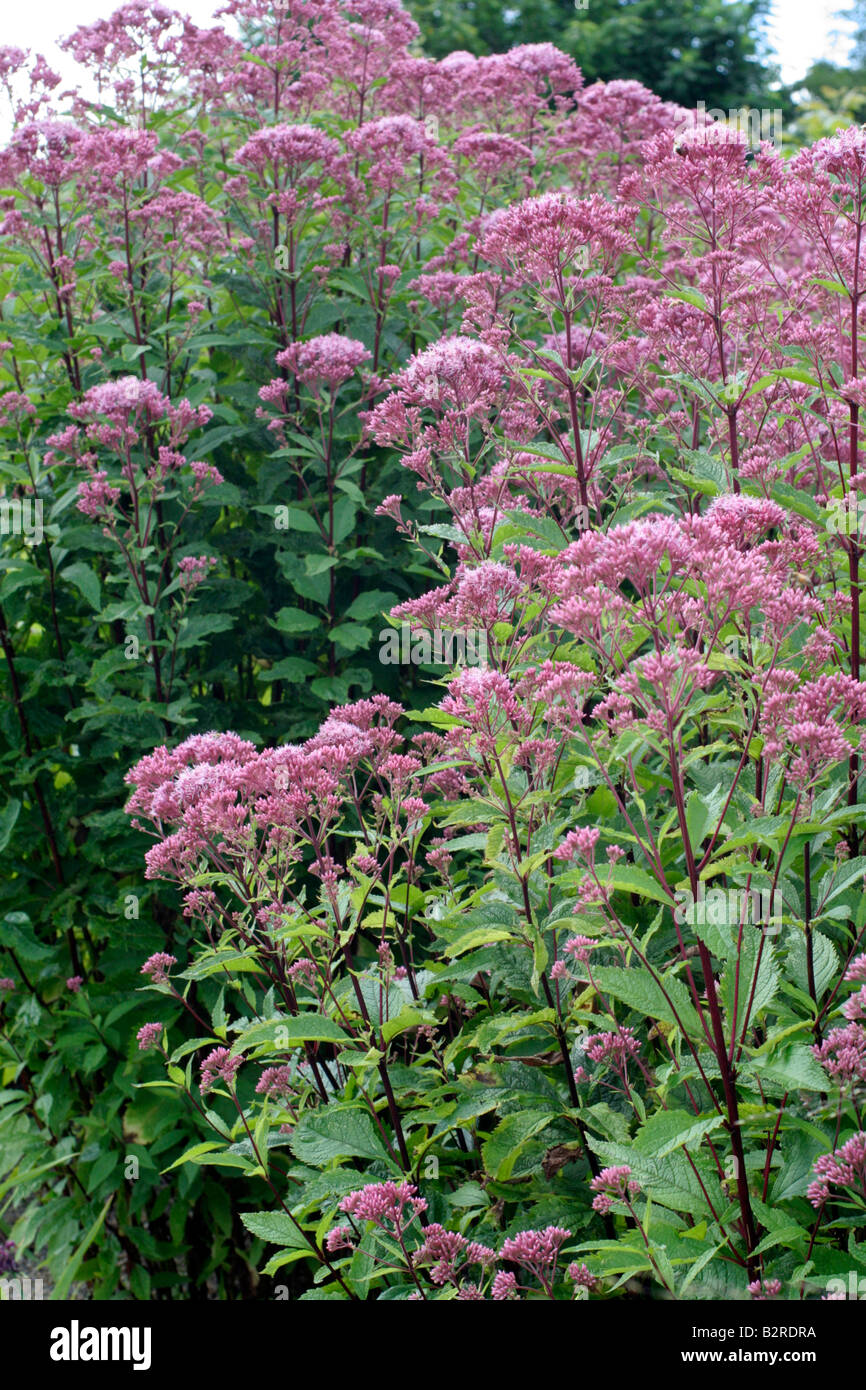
(219, 1064)
(579, 1274)
(504, 1287)
(288, 147)
(391, 507)
(612, 1184)
(74, 983)
(842, 1054)
(856, 972)
(97, 496)
(158, 966)
(580, 842)
(855, 1007)
(330, 359)
(385, 1202)
(765, 1288)
(536, 1251)
(845, 1167)
(149, 1035)
(339, 1238)
(15, 407)
(194, 570)
(579, 947)
(555, 234)
(443, 1250)
(616, 1047)
(274, 1081)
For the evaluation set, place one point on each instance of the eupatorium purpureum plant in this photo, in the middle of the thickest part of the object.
(540, 975)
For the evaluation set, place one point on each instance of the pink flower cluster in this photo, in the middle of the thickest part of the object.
(845, 1167)
(219, 1065)
(386, 1204)
(612, 1184)
(158, 966)
(330, 360)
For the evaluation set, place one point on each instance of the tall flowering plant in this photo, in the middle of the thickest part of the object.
(573, 954)
(537, 975)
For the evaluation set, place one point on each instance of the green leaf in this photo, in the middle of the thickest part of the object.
(338, 1133)
(286, 1032)
(371, 604)
(794, 1068)
(837, 881)
(8, 817)
(293, 669)
(824, 958)
(17, 934)
(201, 625)
(319, 564)
(60, 1292)
(351, 636)
(192, 1154)
(86, 582)
(637, 989)
(407, 1019)
(478, 936)
(295, 620)
(292, 519)
(689, 296)
(276, 1227)
(700, 818)
(501, 1151)
(212, 961)
(628, 879)
(332, 688)
(668, 1130)
(542, 526)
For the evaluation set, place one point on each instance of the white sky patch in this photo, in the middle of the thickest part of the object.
(800, 31)
(804, 31)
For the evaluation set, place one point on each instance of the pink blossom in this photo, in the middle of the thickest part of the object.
(148, 1036)
(218, 1065)
(397, 1203)
(331, 359)
(158, 966)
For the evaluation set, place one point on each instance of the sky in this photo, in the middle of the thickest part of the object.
(801, 30)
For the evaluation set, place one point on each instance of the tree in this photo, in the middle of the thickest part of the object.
(856, 16)
(685, 50)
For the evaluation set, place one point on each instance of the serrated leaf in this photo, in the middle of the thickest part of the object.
(337, 1133)
(289, 1031)
(668, 1130)
(641, 992)
(86, 581)
(276, 1227)
(501, 1151)
(794, 1068)
(628, 879)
